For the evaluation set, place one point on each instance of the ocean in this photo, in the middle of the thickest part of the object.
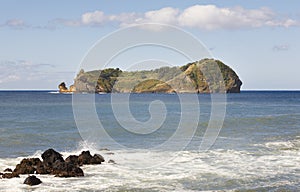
(256, 149)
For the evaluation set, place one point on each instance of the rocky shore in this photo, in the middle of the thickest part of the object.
(52, 163)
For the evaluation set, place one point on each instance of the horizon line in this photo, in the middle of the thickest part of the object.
(241, 90)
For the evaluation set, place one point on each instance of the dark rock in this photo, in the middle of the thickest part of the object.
(85, 158)
(97, 159)
(10, 175)
(109, 153)
(66, 169)
(7, 170)
(28, 166)
(72, 159)
(53, 164)
(50, 156)
(42, 169)
(32, 180)
(235, 87)
(62, 87)
(111, 161)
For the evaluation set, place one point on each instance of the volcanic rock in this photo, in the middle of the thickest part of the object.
(50, 156)
(7, 170)
(66, 169)
(111, 161)
(97, 159)
(72, 159)
(32, 180)
(85, 158)
(27, 166)
(10, 175)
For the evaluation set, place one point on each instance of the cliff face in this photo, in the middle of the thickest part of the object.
(196, 77)
(210, 82)
(96, 81)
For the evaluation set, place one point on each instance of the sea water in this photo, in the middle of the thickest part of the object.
(258, 147)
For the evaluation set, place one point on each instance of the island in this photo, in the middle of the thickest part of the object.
(195, 77)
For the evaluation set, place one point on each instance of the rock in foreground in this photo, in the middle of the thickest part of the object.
(85, 158)
(66, 169)
(32, 180)
(53, 164)
(7, 170)
(50, 156)
(28, 166)
(9, 175)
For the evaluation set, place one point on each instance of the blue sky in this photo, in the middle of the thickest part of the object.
(43, 42)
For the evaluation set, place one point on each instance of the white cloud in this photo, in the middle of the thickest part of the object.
(124, 18)
(211, 17)
(207, 17)
(283, 23)
(204, 17)
(65, 22)
(96, 17)
(22, 70)
(283, 47)
(21, 24)
(15, 24)
(13, 77)
(166, 15)
(24, 74)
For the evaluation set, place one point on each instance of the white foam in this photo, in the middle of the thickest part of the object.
(190, 170)
(284, 145)
(280, 145)
(57, 92)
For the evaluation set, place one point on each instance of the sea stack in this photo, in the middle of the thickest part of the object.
(63, 88)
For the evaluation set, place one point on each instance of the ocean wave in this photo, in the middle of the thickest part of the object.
(284, 145)
(54, 92)
(188, 170)
(57, 92)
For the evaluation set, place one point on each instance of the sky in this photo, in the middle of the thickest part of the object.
(42, 43)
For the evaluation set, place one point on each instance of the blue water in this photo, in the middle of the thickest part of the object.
(263, 126)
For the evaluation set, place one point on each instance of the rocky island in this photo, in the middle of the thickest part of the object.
(189, 78)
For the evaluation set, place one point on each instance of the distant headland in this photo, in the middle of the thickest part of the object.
(196, 77)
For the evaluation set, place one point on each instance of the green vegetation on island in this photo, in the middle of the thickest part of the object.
(204, 76)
